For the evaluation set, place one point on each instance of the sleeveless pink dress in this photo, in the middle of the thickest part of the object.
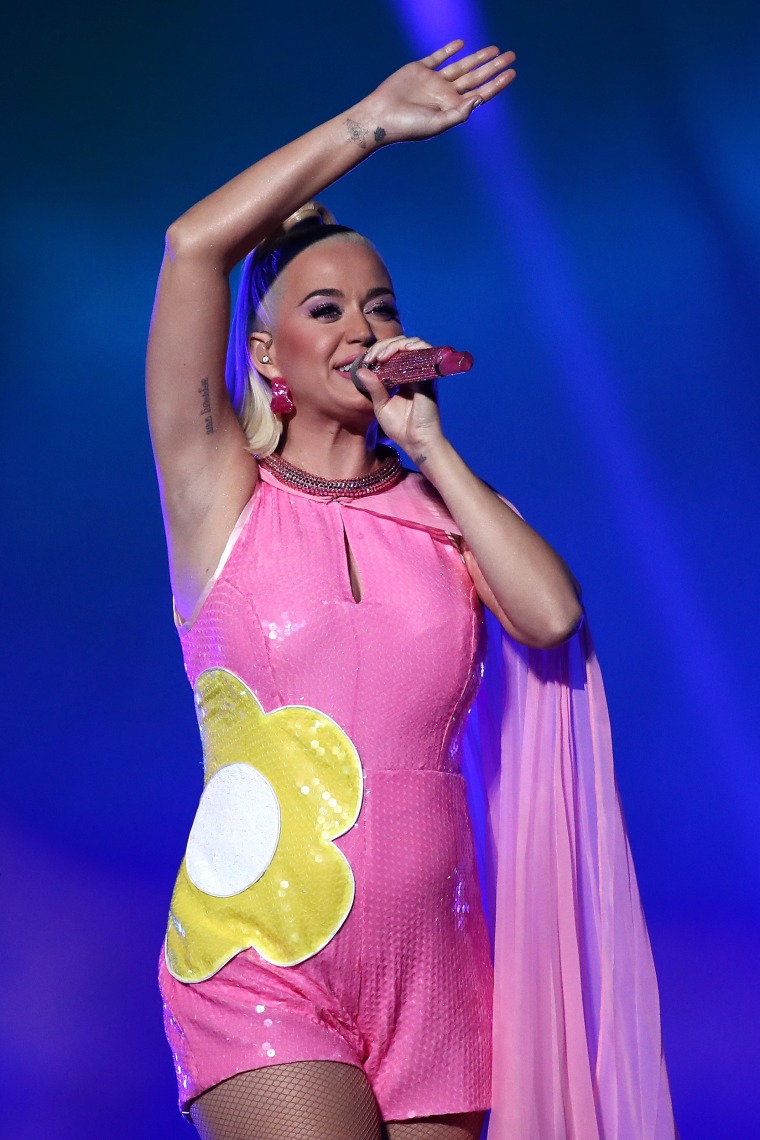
(401, 982)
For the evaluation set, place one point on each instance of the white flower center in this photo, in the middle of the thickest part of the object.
(235, 831)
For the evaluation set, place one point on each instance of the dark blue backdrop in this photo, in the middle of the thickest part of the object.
(595, 241)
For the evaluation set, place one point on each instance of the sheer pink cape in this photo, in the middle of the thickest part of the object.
(577, 1042)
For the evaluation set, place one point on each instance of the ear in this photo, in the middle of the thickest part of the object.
(259, 346)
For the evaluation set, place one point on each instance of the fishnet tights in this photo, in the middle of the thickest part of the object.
(459, 1126)
(312, 1100)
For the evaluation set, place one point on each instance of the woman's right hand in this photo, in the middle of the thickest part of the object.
(423, 99)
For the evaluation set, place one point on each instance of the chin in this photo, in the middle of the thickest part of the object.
(354, 402)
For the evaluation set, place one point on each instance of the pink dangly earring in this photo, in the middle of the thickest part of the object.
(282, 402)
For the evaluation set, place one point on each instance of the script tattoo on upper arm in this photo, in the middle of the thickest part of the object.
(206, 405)
(357, 133)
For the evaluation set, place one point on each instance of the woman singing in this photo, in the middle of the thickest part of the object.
(328, 968)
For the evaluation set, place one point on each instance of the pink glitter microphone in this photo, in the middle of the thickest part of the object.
(414, 365)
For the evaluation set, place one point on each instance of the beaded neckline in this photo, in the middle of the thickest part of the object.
(387, 475)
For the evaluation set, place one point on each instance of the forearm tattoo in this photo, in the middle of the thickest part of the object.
(206, 405)
(357, 133)
(420, 459)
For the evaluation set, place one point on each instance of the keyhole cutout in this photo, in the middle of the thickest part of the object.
(353, 570)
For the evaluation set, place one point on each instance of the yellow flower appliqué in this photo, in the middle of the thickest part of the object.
(261, 869)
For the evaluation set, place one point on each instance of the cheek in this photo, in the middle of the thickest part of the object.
(302, 346)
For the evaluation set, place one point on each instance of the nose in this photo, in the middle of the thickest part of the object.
(360, 329)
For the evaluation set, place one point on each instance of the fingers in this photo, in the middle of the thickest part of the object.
(488, 90)
(479, 76)
(437, 57)
(482, 74)
(461, 66)
(376, 390)
(469, 100)
(384, 349)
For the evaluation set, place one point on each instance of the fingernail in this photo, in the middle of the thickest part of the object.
(477, 103)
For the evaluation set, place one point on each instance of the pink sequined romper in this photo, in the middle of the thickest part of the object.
(403, 986)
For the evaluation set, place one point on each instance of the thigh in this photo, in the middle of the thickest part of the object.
(311, 1100)
(453, 1126)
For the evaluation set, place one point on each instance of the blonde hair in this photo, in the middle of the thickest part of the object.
(255, 306)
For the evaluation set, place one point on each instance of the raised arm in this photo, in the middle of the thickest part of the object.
(205, 472)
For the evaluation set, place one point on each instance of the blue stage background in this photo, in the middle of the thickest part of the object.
(594, 239)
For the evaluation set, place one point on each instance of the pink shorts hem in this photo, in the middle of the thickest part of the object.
(388, 1111)
(251, 1067)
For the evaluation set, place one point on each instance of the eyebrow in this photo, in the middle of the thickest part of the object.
(376, 292)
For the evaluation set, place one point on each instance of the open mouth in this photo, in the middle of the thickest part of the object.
(345, 368)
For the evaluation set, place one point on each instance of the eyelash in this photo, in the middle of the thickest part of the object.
(329, 308)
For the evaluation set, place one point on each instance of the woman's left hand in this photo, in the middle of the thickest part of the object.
(410, 417)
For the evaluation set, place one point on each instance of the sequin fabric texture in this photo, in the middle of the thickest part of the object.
(261, 869)
(403, 986)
